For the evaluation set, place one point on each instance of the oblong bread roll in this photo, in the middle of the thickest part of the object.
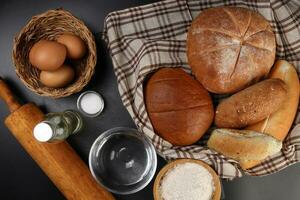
(247, 147)
(279, 123)
(251, 105)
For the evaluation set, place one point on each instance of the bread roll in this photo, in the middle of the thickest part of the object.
(179, 108)
(279, 123)
(251, 105)
(247, 147)
(228, 48)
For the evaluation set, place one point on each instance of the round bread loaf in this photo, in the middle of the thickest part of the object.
(229, 48)
(179, 107)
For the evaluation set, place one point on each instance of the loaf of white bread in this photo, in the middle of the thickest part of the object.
(246, 147)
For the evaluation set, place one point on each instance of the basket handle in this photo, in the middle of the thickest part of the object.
(8, 97)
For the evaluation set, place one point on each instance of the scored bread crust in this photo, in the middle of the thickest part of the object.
(245, 146)
(179, 107)
(279, 123)
(229, 48)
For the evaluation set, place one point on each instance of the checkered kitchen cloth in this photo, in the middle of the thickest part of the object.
(145, 38)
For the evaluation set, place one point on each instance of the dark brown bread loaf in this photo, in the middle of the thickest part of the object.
(251, 105)
(179, 108)
(229, 48)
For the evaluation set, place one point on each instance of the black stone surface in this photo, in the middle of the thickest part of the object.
(21, 178)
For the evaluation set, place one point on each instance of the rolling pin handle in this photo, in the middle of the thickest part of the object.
(8, 97)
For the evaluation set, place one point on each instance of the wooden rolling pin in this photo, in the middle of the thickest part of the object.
(58, 160)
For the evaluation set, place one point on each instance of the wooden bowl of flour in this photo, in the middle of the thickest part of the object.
(182, 182)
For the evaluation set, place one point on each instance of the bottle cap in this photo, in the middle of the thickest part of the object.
(43, 132)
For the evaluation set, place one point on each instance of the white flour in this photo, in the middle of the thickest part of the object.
(188, 181)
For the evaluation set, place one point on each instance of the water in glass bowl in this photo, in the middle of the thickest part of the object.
(123, 162)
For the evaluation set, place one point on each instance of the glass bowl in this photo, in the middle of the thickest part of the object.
(122, 160)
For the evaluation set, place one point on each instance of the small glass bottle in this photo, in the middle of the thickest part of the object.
(58, 126)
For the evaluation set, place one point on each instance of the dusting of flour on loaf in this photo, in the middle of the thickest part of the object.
(284, 68)
(187, 181)
(227, 59)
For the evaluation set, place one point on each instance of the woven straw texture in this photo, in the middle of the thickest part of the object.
(50, 25)
(144, 39)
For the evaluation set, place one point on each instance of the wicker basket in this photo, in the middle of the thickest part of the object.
(50, 25)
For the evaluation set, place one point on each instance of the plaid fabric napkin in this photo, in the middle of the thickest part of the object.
(145, 38)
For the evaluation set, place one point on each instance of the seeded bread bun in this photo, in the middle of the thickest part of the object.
(229, 48)
(279, 123)
(179, 108)
(251, 105)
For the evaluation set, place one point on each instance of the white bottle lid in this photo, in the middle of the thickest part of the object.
(43, 132)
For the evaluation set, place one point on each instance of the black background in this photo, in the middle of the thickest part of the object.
(21, 178)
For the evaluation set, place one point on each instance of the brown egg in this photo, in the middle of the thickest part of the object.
(58, 78)
(75, 45)
(47, 55)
